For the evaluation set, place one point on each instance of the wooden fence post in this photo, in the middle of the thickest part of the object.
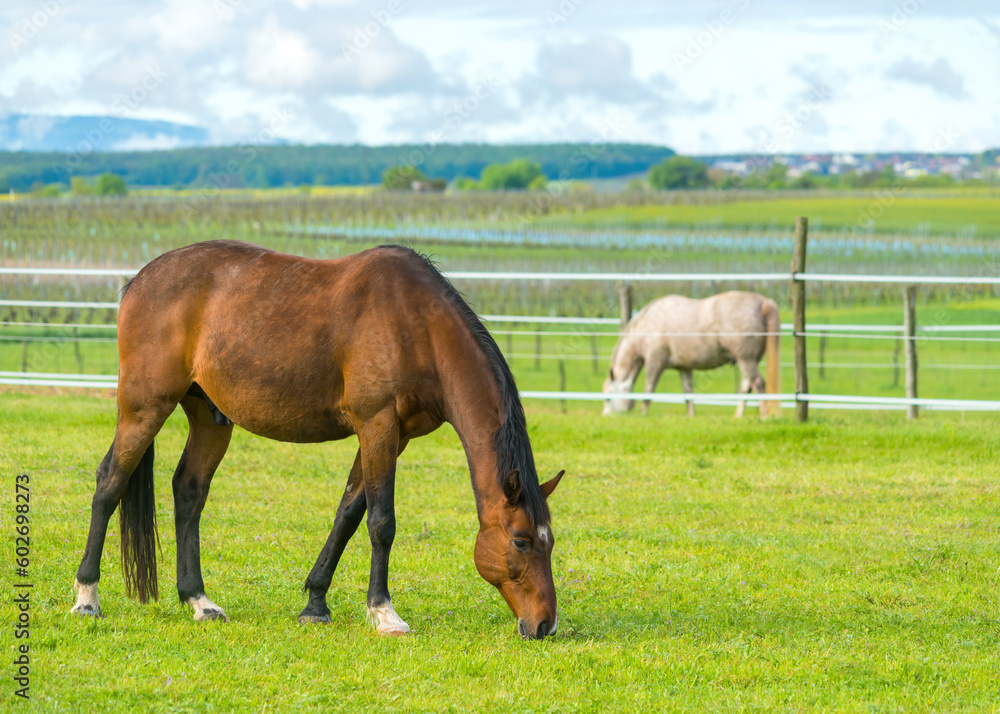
(799, 317)
(910, 346)
(624, 302)
(895, 360)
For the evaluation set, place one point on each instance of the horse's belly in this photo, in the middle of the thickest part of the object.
(695, 355)
(295, 426)
(285, 410)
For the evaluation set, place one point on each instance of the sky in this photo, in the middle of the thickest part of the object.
(706, 77)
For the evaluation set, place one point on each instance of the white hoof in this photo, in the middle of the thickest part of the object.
(86, 600)
(386, 621)
(205, 609)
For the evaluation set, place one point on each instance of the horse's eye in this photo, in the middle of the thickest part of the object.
(522, 545)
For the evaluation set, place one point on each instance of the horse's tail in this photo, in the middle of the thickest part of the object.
(139, 538)
(772, 325)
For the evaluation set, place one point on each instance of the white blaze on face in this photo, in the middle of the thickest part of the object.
(543, 534)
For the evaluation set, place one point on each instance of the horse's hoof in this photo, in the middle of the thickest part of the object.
(387, 622)
(210, 614)
(394, 629)
(86, 601)
(87, 610)
(205, 609)
(314, 620)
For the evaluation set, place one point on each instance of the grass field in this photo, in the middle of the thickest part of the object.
(884, 210)
(847, 564)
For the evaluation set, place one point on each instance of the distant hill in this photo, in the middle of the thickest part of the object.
(268, 166)
(34, 132)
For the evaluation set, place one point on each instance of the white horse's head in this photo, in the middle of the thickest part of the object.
(622, 385)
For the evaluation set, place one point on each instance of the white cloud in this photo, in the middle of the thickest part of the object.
(557, 82)
(144, 142)
(279, 58)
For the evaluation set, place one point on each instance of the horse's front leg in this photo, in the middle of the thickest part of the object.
(379, 448)
(687, 384)
(653, 372)
(349, 515)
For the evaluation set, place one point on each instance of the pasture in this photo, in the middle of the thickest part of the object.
(700, 563)
(849, 563)
(880, 210)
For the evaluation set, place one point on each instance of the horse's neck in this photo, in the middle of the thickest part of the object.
(628, 358)
(474, 409)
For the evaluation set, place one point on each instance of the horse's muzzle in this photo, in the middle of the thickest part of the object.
(543, 629)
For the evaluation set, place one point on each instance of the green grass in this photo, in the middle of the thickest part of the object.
(944, 214)
(846, 564)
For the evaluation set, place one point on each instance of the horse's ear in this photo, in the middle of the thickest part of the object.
(512, 487)
(549, 486)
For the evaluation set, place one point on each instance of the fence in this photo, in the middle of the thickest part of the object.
(800, 399)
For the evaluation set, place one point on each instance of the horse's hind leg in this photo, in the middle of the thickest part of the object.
(206, 445)
(751, 381)
(131, 451)
(379, 449)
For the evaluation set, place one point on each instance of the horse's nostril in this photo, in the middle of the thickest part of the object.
(522, 630)
(543, 629)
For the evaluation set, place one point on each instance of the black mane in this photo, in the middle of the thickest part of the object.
(511, 440)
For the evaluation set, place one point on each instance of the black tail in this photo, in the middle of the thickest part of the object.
(138, 532)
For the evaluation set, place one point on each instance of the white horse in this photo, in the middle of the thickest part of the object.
(685, 334)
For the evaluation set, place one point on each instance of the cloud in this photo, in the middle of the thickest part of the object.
(937, 75)
(145, 142)
(279, 58)
(599, 68)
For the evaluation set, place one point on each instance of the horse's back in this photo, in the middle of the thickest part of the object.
(691, 333)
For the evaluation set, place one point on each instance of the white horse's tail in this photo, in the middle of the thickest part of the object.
(772, 324)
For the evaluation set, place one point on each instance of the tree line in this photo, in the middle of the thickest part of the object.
(250, 166)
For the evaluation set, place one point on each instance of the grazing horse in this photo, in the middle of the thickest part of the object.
(685, 334)
(377, 344)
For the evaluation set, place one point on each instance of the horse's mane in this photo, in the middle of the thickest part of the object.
(511, 442)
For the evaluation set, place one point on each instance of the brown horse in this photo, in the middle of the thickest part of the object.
(377, 344)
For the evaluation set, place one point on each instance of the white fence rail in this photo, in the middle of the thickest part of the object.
(816, 400)
(597, 277)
